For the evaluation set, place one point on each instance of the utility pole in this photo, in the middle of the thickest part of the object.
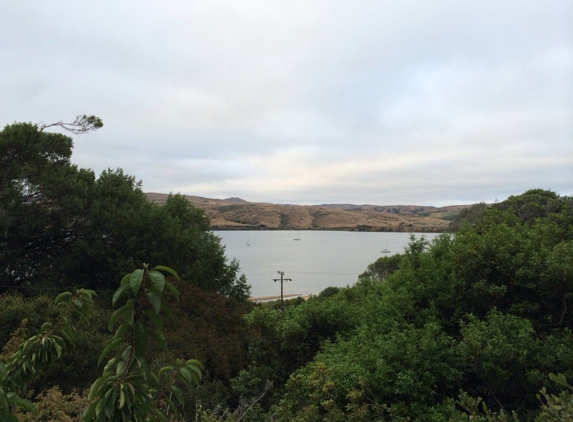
(281, 280)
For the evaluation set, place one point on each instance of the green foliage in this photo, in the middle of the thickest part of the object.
(486, 310)
(467, 216)
(15, 307)
(286, 341)
(557, 408)
(217, 325)
(532, 205)
(40, 350)
(129, 389)
(475, 409)
(379, 373)
(42, 201)
(383, 267)
(59, 223)
(53, 405)
(499, 350)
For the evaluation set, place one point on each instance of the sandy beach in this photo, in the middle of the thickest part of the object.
(276, 297)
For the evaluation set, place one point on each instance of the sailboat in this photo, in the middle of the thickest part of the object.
(248, 241)
(296, 238)
(386, 250)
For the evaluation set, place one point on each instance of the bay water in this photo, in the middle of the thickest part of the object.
(318, 260)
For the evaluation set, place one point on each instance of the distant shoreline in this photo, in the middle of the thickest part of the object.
(258, 299)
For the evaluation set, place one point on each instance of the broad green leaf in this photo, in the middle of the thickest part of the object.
(112, 344)
(172, 289)
(58, 349)
(118, 293)
(178, 394)
(190, 378)
(96, 385)
(140, 386)
(125, 280)
(121, 330)
(194, 362)
(145, 368)
(90, 412)
(195, 370)
(157, 279)
(62, 296)
(121, 368)
(187, 381)
(135, 280)
(68, 332)
(100, 406)
(87, 292)
(24, 404)
(125, 309)
(155, 300)
(165, 369)
(110, 404)
(126, 352)
(46, 326)
(168, 270)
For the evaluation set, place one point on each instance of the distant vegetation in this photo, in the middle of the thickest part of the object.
(474, 325)
(61, 226)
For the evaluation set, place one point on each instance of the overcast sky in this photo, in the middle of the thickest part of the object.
(304, 101)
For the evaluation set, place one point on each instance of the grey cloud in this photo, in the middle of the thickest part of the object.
(309, 102)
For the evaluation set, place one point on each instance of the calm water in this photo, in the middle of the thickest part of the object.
(318, 260)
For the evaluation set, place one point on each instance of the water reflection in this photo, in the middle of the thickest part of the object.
(318, 260)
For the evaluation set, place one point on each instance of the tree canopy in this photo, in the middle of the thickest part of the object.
(60, 225)
(483, 315)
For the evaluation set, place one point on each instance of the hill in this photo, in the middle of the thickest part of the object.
(238, 214)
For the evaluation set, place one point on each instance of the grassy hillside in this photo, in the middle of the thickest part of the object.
(236, 214)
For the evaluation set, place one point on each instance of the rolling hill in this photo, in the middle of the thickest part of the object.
(238, 214)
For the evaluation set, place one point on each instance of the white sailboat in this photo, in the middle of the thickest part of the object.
(386, 250)
(248, 241)
(296, 238)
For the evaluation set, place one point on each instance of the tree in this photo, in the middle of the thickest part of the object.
(60, 223)
(486, 310)
(43, 200)
(128, 389)
(470, 215)
(383, 267)
(533, 204)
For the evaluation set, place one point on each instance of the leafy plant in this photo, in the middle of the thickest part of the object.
(40, 351)
(557, 408)
(128, 388)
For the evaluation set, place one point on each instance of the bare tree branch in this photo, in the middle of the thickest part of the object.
(82, 124)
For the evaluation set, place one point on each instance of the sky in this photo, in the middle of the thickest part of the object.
(402, 102)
